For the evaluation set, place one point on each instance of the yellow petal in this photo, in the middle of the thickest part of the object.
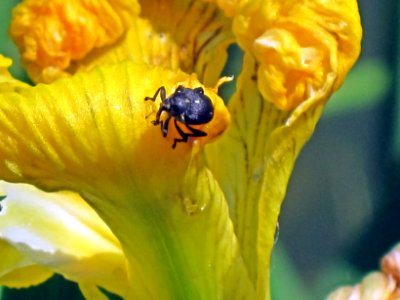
(93, 133)
(53, 34)
(49, 133)
(296, 55)
(298, 44)
(373, 286)
(141, 44)
(58, 232)
(230, 7)
(17, 270)
(92, 292)
(253, 161)
(184, 248)
(390, 263)
(7, 82)
(189, 35)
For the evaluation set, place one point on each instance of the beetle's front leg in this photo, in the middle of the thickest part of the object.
(161, 91)
(164, 126)
(158, 116)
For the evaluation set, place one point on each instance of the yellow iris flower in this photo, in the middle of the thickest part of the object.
(93, 191)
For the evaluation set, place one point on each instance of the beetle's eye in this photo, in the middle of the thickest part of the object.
(179, 89)
(199, 90)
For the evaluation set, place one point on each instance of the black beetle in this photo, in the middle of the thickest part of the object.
(187, 106)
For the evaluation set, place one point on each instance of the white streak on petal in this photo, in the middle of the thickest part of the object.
(19, 236)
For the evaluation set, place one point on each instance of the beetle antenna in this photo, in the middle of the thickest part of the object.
(223, 80)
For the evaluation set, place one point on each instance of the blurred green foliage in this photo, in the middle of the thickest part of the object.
(286, 281)
(56, 288)
(7, 48)
(366, 85)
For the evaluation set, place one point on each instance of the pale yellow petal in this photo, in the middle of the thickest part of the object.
(26, 276)
(17, 270)
(59, 232)
(92, 292)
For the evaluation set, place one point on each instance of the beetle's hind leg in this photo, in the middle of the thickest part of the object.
(185, 136)
(195, 132)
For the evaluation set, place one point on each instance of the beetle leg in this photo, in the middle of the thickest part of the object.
(182, 133)
(185, 136)
(164, 126)
(161, 91)
(195, 132)
(158, 115)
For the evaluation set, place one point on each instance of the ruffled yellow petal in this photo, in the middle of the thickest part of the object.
(52, 35)
(298, 45)
(58, 232)
(180, 35)
(189, 35)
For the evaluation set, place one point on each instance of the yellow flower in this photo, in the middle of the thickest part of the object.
(192, 222)
(383, 284)
(375, 285)
(42, 233)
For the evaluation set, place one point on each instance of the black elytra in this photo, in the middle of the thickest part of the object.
(186, 106)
